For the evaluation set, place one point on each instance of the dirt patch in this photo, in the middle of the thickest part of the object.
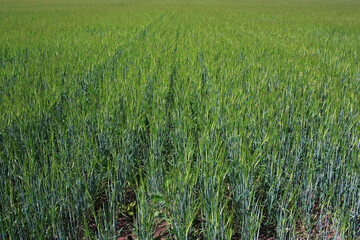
(126, 223)
(161, 231)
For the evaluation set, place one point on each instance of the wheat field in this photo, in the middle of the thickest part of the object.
(177, 119)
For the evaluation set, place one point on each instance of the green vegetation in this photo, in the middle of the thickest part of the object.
(219, 119)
